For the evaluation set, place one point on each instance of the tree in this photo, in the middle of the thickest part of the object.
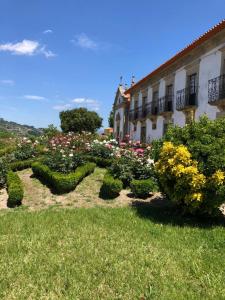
(80, 119)
(50, 131)
(111, 119)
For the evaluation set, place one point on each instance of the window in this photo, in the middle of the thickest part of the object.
(154, 126)
(193, 83)
(155, 102)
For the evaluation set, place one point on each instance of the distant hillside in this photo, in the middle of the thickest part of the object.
(18, 129)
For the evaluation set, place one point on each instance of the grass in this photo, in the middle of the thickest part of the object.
(109, 253)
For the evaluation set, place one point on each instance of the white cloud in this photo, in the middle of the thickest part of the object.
(34, 97)
(47, 31)
(87, 102)
(7, 82)
(91, 104)
(62, 107)
(26, 47)
(83, 41)
(78, 100)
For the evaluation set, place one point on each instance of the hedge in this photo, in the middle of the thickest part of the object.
(111, 187)
(143, 187)
(100, 162)
(14, 189)
(21, 165)
(62, 183)
(24, 164)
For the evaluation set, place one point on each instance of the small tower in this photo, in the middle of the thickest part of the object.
(133, 80)
(121, 80)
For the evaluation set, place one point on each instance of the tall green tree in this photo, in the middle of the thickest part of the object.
(80, 119)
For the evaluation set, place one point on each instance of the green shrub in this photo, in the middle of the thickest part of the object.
(63, 161)
(15, 189)
(142, 188)
(21, 165)
(204, 139)
(3, 172)
(100, 162)
(111, 187)
(59, 182)
(7, 150)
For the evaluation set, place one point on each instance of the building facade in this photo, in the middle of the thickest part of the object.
(190, 84)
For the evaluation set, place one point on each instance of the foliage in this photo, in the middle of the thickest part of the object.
(103, 149)
(100, 162)
(111, 187)
(204, 139)
(51, 131)
(62, 183)
(7, 150)
(21, 164)
(142, 188)
(75, 142)
(3, 172)
(25, 149)
(14, 189)
(111, 119)
(80, 119)
(63, 161)
(183, 182)
(132, 164)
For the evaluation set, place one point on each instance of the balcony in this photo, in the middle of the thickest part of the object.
(186, 99)
(142, 112)
(216, 91)
(135, 114)
(166, 104)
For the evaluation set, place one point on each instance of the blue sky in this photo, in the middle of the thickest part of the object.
(58, 55)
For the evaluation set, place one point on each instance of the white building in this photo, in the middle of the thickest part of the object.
(190, 84)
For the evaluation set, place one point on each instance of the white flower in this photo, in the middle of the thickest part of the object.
(71, 154)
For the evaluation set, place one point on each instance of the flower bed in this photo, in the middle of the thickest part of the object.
(59, 182)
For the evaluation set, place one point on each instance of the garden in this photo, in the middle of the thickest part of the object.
(186, 166)
(90, 216)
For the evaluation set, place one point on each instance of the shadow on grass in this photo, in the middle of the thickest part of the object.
(171, 215)
(46, 184)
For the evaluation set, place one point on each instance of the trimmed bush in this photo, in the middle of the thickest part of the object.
(62, 183)
(21, 165)
(15, 189)
(142, 188)
(100, 162)
(111, 187)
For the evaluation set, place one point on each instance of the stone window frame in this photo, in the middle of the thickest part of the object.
(222, 66)
(192, 69)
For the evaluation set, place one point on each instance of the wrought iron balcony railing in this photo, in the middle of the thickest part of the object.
(134, 114)
(142, 112)
(216, 89)
(166, 104)
(186, 98)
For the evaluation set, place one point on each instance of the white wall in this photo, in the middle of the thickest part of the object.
(179, 84)
(209, 68)
(121, 112)
(149, 98)
(162, 88)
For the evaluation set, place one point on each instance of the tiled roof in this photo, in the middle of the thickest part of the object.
(204, 37)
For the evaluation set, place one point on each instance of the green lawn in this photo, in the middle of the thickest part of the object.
(109, 253)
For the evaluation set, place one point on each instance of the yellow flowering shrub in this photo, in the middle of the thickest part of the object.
(182, 182)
